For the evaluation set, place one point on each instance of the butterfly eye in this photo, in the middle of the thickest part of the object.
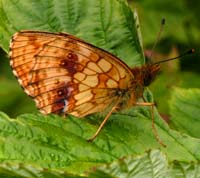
(147, 80)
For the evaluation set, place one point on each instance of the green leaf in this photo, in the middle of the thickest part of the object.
(162, 87)
(31, 171)
(54, 142)
(185, 170)
(108, 24)
(152, 164)
(185, 110)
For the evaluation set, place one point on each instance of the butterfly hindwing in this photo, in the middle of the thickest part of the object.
(64, 74)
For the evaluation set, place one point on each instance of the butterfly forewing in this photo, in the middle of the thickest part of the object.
(65, 74)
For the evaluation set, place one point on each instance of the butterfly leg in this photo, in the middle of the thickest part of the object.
(102, 124)
(151, 105)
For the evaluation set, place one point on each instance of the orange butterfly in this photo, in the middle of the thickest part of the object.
(66, 75)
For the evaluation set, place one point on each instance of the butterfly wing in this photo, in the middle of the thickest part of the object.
(64, 74)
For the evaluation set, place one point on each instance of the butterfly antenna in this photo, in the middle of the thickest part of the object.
(170, 59)
(158, 37)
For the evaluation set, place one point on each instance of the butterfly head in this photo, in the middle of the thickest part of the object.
(149, 73)
(146, 74)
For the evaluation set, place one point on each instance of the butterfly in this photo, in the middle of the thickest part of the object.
(66, 75)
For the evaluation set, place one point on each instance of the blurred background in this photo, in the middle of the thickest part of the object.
(181, 33)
